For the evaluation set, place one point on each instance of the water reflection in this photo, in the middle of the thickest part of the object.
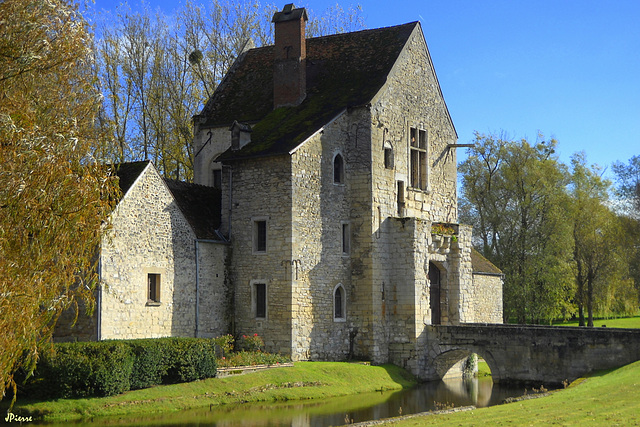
(336, 411)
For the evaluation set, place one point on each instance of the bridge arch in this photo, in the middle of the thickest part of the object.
(450, 361)
(527, 353)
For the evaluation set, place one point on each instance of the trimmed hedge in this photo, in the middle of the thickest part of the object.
(105, 368)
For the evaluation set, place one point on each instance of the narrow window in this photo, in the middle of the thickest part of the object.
(418, 158)
(260, 300)
(216, 178)
(339, 303)
(388, 155)
(338, 169)
(346, 239)
(153, 288)
(260, 236)
(401, 200)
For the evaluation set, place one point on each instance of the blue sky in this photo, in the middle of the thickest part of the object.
(569, 69)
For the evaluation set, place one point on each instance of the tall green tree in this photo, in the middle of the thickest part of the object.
(629, 184)
(599, 251)
(513, 195)
(628, 191)
(54, 197)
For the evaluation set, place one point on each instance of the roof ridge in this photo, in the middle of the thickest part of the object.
(191, 184)
(361, 31)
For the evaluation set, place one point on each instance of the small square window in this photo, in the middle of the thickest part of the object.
(260, 236)
(346, 239)
(153, 288)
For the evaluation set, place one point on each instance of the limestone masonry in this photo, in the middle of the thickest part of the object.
(328, 166)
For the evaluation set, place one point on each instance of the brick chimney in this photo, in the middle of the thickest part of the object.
(290, 67)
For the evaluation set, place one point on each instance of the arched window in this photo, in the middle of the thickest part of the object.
(338, 169)
(339, 304)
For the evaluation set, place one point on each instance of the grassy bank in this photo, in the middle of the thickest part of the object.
(625, 322)
(306, 380)
(609, 398)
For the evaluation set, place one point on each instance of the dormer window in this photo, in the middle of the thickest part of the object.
(240, 135)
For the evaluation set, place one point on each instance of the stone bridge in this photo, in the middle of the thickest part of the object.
(536, 354)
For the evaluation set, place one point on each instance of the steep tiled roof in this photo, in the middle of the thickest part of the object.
(343, 70)
(481, 265)
(128, 173)
(200, 205)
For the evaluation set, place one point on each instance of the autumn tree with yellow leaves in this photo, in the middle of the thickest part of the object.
(54, 195)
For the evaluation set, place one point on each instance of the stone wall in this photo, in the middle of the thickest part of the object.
(215, 311)
(411, 98)
(322, 208)
(487, 298)
(149, 234)
(207, 151)
(77, 325)
(260, 191)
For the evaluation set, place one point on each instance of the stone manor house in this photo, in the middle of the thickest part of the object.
(323, 215)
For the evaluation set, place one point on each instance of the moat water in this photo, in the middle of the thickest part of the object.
(335, 411)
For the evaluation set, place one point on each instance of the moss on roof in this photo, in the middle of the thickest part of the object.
(343, 70)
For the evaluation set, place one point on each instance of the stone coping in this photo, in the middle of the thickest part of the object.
(241, 370)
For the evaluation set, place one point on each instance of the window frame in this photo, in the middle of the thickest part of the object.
(215, 176)
(418, 158)
(339, 290)
(154, 297)
(259, 305)
(389, 161)
(259, 238)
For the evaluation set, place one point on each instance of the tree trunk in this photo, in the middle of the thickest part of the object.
(590, 300)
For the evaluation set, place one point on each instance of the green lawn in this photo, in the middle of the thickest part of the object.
(606, 399)
(306, 380)
(626, 322)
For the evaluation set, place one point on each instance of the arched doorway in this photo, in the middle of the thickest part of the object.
(434, 293)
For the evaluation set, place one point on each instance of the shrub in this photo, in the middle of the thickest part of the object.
(149, 366)
(190, 359)
(83, 369)
(105, 368)
(224, 344)
(250, 343)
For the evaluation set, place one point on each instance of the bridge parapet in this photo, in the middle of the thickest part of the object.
(529, 353)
